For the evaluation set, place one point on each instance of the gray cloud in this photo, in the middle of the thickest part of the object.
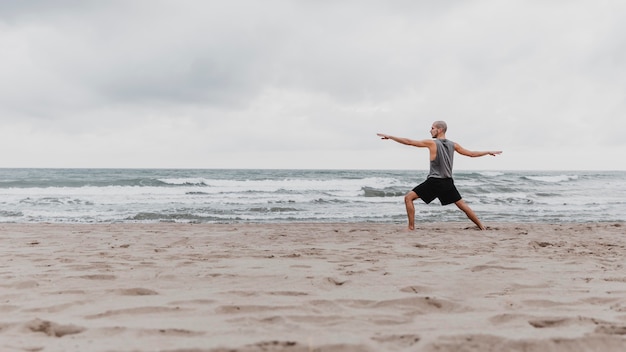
(313, 75)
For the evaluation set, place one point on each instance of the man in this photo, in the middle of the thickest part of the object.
(439, 183)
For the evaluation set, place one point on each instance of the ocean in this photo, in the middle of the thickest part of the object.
(264, 196)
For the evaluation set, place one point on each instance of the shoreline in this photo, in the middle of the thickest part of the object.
(312, 287)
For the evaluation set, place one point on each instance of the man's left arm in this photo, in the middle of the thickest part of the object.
(474, 154)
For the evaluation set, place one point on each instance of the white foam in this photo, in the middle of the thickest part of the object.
(491, 173)
(553, 179)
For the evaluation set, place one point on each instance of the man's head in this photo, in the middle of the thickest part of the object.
(438, 129)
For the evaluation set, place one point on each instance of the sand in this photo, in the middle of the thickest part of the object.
(312, 287)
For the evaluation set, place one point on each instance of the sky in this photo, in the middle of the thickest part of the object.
(309, 83)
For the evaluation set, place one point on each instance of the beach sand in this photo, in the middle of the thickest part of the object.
(312, 287)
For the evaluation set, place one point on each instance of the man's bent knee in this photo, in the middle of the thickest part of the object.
(411, 196)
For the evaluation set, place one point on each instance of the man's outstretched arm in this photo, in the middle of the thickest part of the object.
(406, 141)
(475, 154)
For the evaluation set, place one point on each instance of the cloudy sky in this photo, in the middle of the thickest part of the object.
(309, 83)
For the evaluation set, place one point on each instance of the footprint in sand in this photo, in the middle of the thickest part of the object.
(398, 340)
(416, 289)
(134, 311)
(422, 304)
(567, 321)
(98, 277)
(171, 332)
(336, 282)
(287, 293)
(138, 291)
(200, 302)
(52, 329)
(493, 267)
(611, 329)
(251, 309)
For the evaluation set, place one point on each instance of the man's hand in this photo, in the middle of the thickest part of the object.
(382, 136)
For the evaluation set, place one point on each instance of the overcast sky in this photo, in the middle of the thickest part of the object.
(308, 84)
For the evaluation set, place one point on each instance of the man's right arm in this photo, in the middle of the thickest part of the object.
(423, 144)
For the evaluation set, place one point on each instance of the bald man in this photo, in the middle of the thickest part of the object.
(439, 183)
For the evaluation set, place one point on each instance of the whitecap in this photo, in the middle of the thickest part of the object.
(553, 179)
(491, 173)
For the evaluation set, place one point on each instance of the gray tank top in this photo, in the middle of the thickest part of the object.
(441, 167)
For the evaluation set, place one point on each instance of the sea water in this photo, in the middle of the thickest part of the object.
(237, 196)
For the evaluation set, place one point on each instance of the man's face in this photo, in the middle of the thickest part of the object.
(434, 131)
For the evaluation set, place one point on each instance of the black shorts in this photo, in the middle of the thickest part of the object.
(442, 188)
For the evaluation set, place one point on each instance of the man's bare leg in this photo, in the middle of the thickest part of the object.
(470, 213)
(410, 208)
